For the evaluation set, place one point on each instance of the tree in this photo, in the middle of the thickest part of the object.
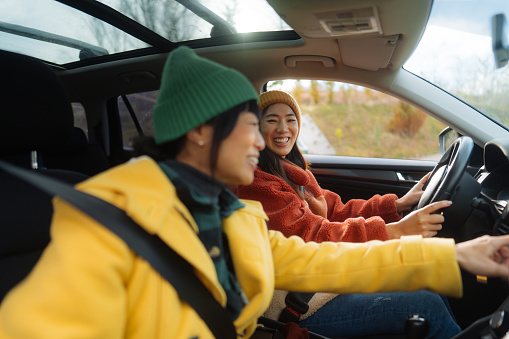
(314, 92)
(330, 92)
(276, 84)
(230, 11)
(298, 91)
(168, 18)
(369, 94)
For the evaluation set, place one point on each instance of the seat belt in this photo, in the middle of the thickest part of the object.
(175, 269)
(296, 305)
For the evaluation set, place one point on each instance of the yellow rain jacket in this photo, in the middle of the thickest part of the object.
(89, 284)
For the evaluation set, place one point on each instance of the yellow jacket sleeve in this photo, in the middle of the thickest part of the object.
(409, 264)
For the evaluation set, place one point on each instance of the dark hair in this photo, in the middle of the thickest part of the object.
(271, 163)
(223, 125)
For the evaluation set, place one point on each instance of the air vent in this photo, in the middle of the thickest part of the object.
(358, 21)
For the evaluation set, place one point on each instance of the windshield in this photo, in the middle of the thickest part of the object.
(455, 54)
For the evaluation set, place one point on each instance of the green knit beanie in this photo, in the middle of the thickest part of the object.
(194, 90)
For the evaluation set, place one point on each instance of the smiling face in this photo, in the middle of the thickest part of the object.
(239, 152)
(280, 128)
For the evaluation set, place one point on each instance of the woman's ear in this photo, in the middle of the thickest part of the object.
(201, 135)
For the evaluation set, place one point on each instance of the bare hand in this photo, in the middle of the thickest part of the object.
(421, 221)
(412, 197)
(486, 255)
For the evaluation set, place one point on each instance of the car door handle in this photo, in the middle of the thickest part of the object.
(401, 178)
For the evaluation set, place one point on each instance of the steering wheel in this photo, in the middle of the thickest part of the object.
(449, 180)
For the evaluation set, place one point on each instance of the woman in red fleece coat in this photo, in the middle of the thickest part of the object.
(297, 205)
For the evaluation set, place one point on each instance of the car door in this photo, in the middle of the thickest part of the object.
(361, 178)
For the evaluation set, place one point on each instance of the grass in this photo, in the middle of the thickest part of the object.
(362, 130)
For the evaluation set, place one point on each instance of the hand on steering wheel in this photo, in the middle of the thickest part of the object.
(424, 221)
(412, 197)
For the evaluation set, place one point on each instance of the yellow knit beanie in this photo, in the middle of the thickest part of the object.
(282, 97)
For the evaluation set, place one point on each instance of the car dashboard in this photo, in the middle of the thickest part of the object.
(494, 180)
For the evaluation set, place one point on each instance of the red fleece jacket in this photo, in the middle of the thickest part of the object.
(323, 216)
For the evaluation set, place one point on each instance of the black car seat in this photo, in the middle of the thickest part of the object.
(35, 118)
(78, 154)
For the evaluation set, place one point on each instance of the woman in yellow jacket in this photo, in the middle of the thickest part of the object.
(89, 283)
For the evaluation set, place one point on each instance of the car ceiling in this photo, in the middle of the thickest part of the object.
(354, 59)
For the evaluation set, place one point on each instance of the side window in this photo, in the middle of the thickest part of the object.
(344, 119)
(142, 105)
(80, 119)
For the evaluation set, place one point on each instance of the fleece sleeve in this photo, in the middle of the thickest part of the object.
(379, 205)
(290, 215)
(383, 206)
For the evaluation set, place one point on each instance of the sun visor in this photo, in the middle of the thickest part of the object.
(370, 53)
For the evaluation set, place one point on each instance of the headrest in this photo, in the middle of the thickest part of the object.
(76, 144)
(35, 111)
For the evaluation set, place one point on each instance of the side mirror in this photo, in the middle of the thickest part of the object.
(446, 138)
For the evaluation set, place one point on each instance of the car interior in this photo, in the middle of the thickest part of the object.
(76, 116)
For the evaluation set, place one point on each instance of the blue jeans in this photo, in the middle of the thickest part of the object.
(354, 315)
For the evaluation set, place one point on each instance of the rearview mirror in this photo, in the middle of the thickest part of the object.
(499, 40)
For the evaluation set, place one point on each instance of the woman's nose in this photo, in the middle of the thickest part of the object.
(259, 142)
(282, 126)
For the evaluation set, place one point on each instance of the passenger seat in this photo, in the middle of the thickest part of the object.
(78, 154)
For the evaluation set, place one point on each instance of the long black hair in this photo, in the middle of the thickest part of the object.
(271, 163)
(223, 125)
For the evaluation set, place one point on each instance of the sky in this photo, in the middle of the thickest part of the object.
(456, 49)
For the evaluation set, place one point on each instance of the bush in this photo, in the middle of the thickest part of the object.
(407, 120)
